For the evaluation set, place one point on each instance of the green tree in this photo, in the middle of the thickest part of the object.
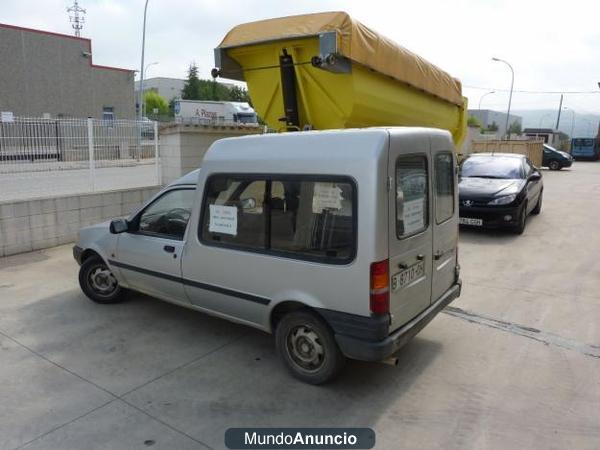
(196, 88)
(153, 100)
(473, 121)
(493, 126)
(515, 128)
(239, 94)
(191, 88)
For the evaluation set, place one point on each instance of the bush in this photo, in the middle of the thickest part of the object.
(153, 100)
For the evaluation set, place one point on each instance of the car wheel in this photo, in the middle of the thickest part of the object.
(520, 228)
(538, 205)
(554, 165)
(307, 346)
(98, 283)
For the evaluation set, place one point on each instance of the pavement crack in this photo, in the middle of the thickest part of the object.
(528, 332)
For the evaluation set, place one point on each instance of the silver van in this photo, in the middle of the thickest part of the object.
(341, 243)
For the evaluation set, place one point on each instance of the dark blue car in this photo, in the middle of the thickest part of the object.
(555, 159)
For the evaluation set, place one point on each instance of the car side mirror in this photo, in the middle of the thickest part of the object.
(119, 226)
(535, 176)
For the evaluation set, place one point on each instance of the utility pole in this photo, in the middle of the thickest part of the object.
(559, 110)
(75, 18)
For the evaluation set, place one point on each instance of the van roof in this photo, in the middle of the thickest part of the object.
(329, 147)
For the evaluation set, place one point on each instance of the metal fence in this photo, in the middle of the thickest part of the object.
(44, 157)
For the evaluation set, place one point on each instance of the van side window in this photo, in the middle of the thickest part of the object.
(412, 196)
(444, 187)
(168, 215)
(314, 220)
(300, 217)
(234, 212)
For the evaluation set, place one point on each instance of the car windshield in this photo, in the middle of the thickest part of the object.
(491, 167)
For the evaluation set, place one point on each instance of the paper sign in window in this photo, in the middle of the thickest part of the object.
(412, 215)
(223, 219)
(326, 196)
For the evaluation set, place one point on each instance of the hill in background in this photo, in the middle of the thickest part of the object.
(584, 125)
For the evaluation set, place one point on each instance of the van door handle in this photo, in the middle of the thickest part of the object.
(420, 257)
(169, 249)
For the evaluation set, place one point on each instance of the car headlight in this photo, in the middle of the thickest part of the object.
(503, 200)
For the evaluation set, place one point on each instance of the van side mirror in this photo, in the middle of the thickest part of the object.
(119, 226)
(535, 176)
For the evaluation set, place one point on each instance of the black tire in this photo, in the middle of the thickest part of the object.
(554, 165)
(520, 227)
(319, 359)
(538, 205)
(98, 283)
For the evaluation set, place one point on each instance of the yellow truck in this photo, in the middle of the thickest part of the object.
(328, 71)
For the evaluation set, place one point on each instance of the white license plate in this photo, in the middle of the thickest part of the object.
(470, 221)
(404, 278)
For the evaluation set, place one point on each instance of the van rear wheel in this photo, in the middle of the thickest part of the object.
(307, 346)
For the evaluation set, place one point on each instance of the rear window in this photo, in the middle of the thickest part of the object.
(492, 167)
(411, 195)
(583, 142)
(444, 187)
(300, 217)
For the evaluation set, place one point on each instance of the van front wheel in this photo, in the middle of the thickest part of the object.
(308, 348)
(98, 283)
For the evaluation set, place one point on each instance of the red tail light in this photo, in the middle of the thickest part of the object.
(379, 299)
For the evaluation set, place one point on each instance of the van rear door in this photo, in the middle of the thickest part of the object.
(410, 230)
(445, 216)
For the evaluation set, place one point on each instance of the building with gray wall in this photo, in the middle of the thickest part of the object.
(50, 74)
(487, 117)
(169, 88)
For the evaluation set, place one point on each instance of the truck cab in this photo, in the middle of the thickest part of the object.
(343, 244)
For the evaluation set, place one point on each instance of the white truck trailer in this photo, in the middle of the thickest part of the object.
(210, 112)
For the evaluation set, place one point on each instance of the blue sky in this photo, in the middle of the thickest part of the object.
(553, 45)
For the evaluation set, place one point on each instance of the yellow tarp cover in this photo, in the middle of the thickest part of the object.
(357, 43)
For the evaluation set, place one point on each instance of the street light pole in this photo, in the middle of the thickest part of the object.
(512, 82)
(481, 98)
(141, 96)
(148, 65)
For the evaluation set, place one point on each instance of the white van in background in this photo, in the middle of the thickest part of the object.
(209, 112)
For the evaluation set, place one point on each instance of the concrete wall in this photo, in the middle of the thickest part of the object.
(43, 223)
(182, 147)
(42, 72)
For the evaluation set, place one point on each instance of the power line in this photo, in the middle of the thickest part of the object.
(531, 92)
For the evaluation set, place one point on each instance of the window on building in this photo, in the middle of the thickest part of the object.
(108, 113)
(298, 217)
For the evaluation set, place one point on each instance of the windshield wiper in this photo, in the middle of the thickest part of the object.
(489, 176)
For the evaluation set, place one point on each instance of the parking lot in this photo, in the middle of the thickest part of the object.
(513, 363)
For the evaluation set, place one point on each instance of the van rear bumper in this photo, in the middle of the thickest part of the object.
(364, 350)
